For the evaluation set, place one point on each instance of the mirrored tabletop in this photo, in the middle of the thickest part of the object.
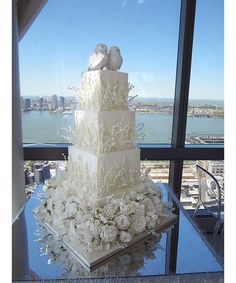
(180, 249)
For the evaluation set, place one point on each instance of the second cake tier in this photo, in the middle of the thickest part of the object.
(104, 132)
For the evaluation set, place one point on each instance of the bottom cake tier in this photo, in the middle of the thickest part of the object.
(96, 177)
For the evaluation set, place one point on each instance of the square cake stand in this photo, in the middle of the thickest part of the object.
(96, 258)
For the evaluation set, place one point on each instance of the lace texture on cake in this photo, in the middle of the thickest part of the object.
(102, 96)
(105, 182)
(104, 138)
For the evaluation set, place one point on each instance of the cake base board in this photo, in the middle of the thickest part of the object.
(96, 258)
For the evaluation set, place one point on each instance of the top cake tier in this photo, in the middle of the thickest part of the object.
(104, 90)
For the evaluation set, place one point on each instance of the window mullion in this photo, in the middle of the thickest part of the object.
(186, 30)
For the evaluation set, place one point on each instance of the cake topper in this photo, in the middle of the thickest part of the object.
(101, 59)
(115, 58)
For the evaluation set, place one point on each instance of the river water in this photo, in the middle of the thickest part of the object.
(44, 127)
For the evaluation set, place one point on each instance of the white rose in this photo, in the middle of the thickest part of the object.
(122, 222)
(110, 210)
(125, 237)
(88, 217)
(128, 209)
(139, 196)
(108, 233)
(151, 223)
(59, 207)
(139, 224)
(152, 190)
(71, 209)
(132, 195)
(121, 202)
(95, 228)
(159, 209)
(140, 209)
(149, 206)
(156, 200)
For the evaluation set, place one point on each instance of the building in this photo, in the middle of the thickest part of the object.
(46, 171)
(40, 103)
(26, 172)
(216, 167)
(54, 102)
(38, 175)
(27, 104)
(22, 103)
(61, 102)
(41, 172)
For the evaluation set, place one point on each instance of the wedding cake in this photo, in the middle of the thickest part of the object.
(104, 199)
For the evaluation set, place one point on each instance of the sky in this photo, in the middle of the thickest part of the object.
(55, 50)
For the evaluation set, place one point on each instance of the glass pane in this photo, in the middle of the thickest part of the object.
(159, 170)
(205, 122)
(38, 171)
(190, 181)
(55, 52)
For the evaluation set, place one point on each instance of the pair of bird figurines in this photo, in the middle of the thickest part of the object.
(102, 59)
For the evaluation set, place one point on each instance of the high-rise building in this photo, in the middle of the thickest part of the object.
(41, 172)
(62, 102)
(41, 103)
(22, 103)
(38, 175)
(46, 171)
(26, 172)
(27, 104)
(54, 102)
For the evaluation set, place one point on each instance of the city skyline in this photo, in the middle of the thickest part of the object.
(63, 36)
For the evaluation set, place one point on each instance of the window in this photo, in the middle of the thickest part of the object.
(189, 190)
(205, 122)
(56, 49)
(173, 154)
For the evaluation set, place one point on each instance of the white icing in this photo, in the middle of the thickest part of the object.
(105, 174)
(104, 90)
(104, 132)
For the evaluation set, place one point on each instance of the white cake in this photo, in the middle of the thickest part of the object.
(104, 132)
(104, 160)
(103, 199)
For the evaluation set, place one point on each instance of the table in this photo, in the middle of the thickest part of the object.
(180, 249)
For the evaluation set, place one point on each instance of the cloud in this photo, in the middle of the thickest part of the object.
(140, 1)
(124, 3)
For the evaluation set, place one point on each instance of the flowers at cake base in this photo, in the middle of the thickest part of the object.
(115, 221)
(125, 237)
(122, 222)
(138, 224)
(108, 233)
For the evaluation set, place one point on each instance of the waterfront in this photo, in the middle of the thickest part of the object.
(44, 127)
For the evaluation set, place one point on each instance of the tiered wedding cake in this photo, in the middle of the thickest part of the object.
(104, 200)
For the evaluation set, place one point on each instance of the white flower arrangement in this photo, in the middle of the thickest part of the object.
(115, 222)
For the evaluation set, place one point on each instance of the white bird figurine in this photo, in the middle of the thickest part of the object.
(115, 59)
(100, 58)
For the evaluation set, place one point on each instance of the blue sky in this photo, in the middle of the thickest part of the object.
(56, 48)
